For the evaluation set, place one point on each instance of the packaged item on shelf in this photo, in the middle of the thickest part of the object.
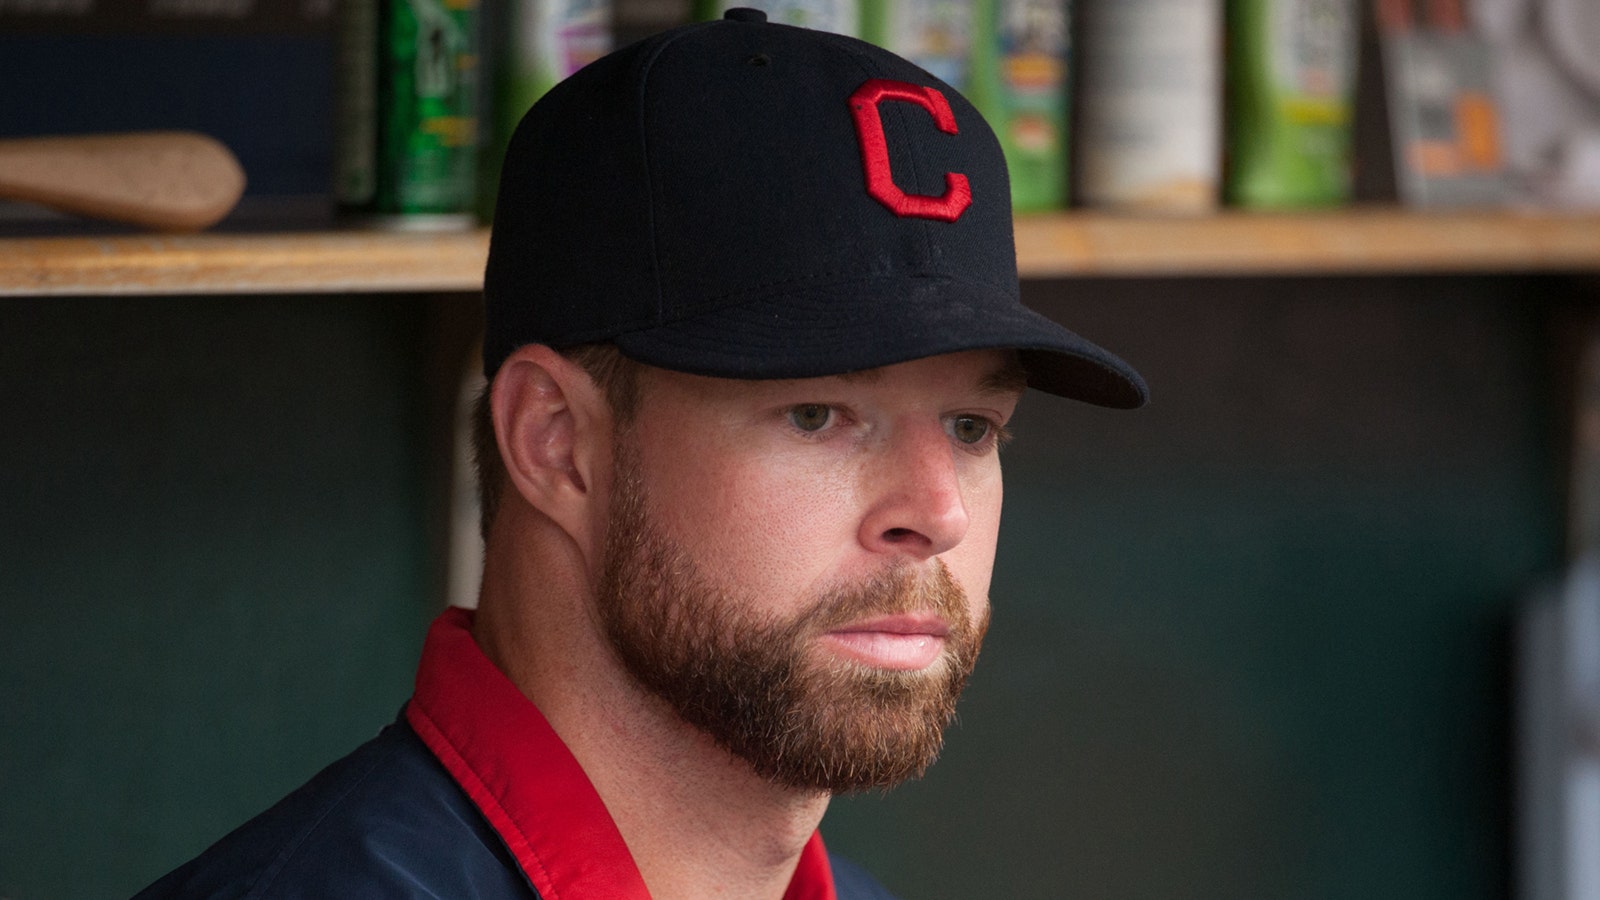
(837, 16)
(1019, 81)
(935, 34)
(1291, 84)
(1546, 60)
(1443, 114)
(542, 42)
(1149, 104)
(408, 118)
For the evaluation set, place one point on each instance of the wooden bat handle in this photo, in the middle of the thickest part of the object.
(167, 180)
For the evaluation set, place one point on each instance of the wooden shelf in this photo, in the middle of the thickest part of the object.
(1376, 241)
(1072, 244)
(333, 262)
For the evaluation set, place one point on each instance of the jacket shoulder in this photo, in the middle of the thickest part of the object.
(387, 821)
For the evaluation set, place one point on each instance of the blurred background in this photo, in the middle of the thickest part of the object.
(1305, 627)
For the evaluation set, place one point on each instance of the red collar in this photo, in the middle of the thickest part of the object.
(501, 751)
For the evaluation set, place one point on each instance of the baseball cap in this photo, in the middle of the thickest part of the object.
(745, 199)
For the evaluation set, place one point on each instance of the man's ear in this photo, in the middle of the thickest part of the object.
(553, 426)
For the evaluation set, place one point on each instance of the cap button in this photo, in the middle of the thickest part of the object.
(745, 14)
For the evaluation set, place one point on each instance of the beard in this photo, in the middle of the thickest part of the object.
(752, 684)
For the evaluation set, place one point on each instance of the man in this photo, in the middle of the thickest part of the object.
(753, 335)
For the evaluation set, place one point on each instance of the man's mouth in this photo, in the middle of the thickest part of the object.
(904, 642)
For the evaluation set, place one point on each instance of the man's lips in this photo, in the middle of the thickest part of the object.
(902, 642)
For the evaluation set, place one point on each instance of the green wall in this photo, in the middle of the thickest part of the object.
(1249, 642)
(212, 576)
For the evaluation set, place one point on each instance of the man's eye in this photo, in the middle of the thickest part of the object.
(970, 429)
(810, 416)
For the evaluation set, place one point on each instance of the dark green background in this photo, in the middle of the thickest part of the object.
(1248, 642)
(1251, 642)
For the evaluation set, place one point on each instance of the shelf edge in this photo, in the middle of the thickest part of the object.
(1061, 245)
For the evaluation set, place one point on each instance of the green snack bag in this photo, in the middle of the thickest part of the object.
(1018, 80)
(1291, 74)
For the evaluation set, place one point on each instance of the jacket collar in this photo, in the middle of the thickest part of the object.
(503, 753)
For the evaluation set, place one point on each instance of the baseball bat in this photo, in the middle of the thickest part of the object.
(166, 180)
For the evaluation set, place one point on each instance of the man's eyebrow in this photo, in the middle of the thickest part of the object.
(1010, 379)
(860, 376)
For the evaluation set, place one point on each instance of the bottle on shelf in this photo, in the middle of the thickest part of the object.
(1149, 95)
(1291, 84)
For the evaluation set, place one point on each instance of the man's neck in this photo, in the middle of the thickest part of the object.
(698, 821)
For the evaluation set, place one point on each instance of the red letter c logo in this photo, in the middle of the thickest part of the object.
(875, 150)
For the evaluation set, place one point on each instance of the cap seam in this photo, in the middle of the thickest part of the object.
(646, 67)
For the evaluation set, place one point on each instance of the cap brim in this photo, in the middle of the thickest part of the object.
(809, 332)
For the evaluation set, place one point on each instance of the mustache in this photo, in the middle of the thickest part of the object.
(896, 591)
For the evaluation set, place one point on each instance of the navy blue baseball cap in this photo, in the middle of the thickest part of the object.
(751, 200)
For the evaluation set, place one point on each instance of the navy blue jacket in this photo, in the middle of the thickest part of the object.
(385, 821)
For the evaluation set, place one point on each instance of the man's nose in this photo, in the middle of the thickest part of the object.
(917, 507)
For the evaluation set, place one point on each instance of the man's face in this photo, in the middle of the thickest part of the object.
(801, 568)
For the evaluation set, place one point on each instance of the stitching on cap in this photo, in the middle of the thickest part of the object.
(706, 304)
(866, 64)
(764, 291)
